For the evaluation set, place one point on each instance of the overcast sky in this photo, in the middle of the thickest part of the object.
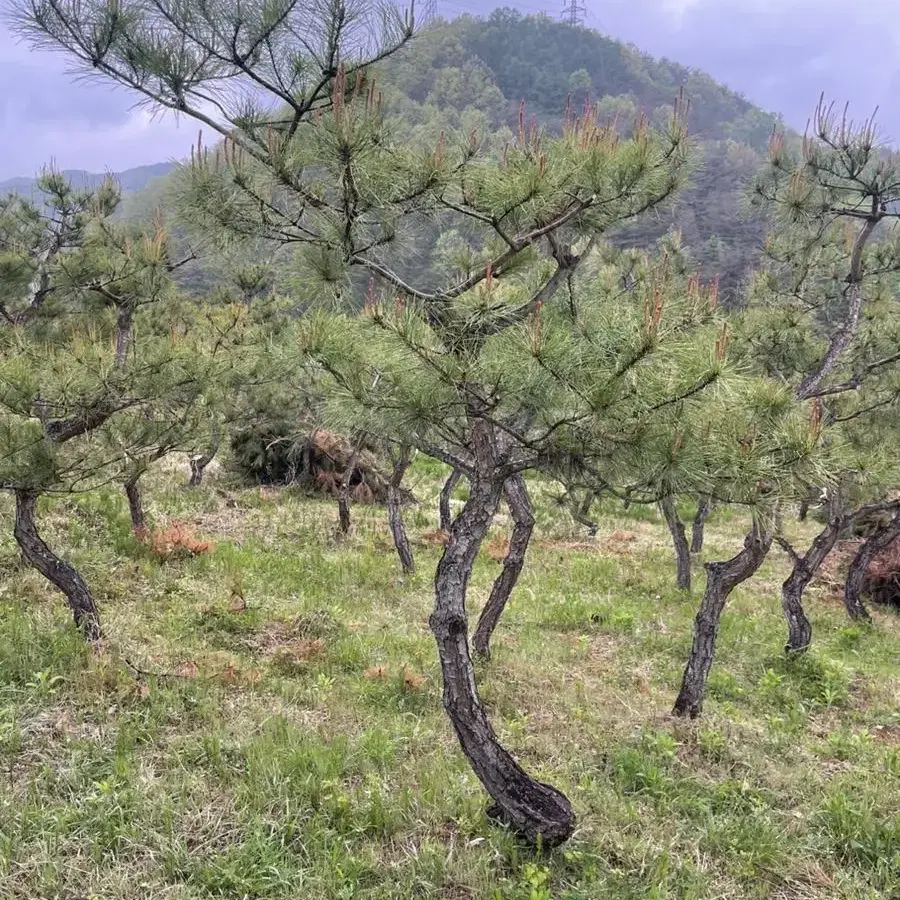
(780, 53)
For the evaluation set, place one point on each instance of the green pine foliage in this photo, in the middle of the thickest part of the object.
(104, 361)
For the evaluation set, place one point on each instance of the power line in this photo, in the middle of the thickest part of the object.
(573, 13)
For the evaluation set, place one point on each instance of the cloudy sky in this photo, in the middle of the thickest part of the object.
(780, 53)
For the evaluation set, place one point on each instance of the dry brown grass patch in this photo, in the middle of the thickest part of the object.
(437, 536)
(284, 640)
(173, 540)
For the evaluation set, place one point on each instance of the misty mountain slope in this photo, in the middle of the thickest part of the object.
(494, 65)
(541, 61)
(131, 180)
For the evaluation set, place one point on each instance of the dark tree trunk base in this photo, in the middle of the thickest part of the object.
(519, 503)
(679, 539)
(344, 492)
(721, 579)
(136, 505)
(57, 571)
(199, 463)
(799, 626)
(580, 513)
(538, 812)
(878, 541)
(395, 513)
(344, 521)
(444, 516)
(698, 527)
(198, 470)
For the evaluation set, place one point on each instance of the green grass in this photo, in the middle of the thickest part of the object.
(297, 748)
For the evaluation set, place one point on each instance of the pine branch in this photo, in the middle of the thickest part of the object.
(857, 380)
(845, 333)
(61, 430)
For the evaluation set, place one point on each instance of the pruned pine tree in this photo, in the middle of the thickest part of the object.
(36, 426)
(607, 385)
(122, 271)
(772, 443)
(826, 319)
(307, 160)
(430, 369)
(825, 283)
(88, 385)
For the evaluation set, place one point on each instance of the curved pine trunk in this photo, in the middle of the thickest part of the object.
(679, 539)
(873, 545)
(581, 511)
(698, 527)
(445, 517)
(344, 491)
(537, 811)
(516, 493)
(395, 513)
(803, 572)
(721, 579)
(57, 571)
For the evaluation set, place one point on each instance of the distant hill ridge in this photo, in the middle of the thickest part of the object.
(131, 180)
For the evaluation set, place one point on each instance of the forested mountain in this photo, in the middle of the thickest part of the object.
(472, 69)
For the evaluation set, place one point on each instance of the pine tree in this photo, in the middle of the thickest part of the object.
(826, 319)
(97, 376)
(822, 323)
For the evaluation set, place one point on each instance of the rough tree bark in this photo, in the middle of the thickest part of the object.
(679, 539)
(395, 513)
(844, 334)
(445, 517)
(202, 460)
(537, 811)
(805, 568)
(856, 575)
(698, 527)
(721, 579)
(135, 504)
(516, 493)
(57, 571)
(344, 493)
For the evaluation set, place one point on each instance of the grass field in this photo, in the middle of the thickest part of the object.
(296, 748)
